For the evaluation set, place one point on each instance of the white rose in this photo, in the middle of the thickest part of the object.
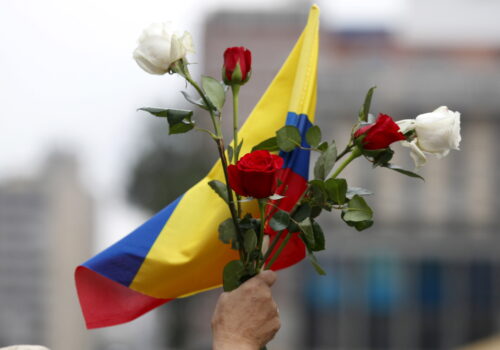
(159, 46)
(437, 133)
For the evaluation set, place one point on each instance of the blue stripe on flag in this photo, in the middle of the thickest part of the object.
(122, 260)
(298, 159)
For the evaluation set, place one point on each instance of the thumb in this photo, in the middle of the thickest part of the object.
(268, 277)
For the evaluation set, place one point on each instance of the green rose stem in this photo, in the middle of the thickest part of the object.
(220, 147)
(278, 236)
(217, 128)
(344, 152)
(280, 249)
(356, 152)
(262, 209)
(232, 208)
(235, 89)
(272, 246)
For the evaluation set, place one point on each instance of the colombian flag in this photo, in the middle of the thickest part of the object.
(177, 252)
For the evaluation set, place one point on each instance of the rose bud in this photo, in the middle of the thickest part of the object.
(237, 65)
(379, 134)
(436, 133)
(255, 174)
(159, 47)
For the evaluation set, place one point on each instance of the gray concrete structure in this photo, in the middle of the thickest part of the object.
(46, 226)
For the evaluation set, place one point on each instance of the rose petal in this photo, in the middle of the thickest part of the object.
(416, 153)
(380, 134)
(234, 177)
(406, 125)
(159, 46)
(438, 131)
(258, 184)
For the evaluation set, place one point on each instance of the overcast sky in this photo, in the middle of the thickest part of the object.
(68, 80)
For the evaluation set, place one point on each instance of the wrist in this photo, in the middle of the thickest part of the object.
(232, 345)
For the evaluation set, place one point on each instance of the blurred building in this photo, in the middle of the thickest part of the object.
(427, 275)
(46, 226)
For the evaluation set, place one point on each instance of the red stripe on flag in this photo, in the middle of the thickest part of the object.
(292, 187)
(106, 303)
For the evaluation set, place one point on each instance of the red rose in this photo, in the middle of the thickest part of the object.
(255, 174)
(233, 57)
(380, 134)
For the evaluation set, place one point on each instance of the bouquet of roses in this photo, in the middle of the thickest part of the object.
(259, 175)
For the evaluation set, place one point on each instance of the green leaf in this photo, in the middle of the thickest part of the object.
(227, 231)
(302, 212)
(317, 192)
(323, 146)
(238, 148)
(157, 112)
(179, 120)
(214, 90)
(357, 210)
(336, 189)
(325, 162)
(311, 256)
(318, 183)
(249, 241)
(319, 237)
(237, 74)
(362, 225)
(313, 136)
(220, 188)
(316, 211)
(200, 103)
(270, 145)
(230, 153)
(288, 138)
(352, 191)
(307, 230)
(246, 223)
(383, 158)
(280, 220)
(293, 227)
(372, 153)
(365, 109)
(235, 245)
(403, 171)
(232, 275)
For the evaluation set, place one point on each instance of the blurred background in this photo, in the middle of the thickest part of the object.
(80, 167)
